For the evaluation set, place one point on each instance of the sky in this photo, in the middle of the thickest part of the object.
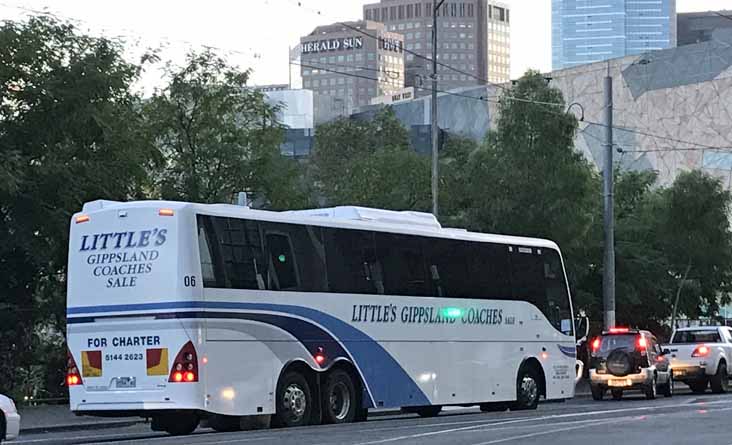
(257, 33)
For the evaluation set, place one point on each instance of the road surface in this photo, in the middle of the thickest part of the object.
(683, 419)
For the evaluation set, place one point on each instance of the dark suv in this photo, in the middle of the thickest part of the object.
(623, 359)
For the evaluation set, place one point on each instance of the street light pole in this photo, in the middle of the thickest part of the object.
(608, 276)
(435, 131)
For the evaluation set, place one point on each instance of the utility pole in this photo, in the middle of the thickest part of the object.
(608, 276)
(435, 131)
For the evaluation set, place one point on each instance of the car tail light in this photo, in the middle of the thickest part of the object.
(73, 377)
(596, 344)
(641, 343)
(185, 365)
(701, 351)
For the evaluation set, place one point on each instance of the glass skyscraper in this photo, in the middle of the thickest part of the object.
(586, 31)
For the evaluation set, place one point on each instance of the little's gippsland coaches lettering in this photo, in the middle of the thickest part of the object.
(185, 312)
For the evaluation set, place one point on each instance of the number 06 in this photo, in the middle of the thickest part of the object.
(189, 281)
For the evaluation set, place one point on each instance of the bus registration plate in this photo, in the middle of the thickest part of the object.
(126, 382)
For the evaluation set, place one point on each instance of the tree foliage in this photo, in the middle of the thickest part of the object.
(69, 133)
(219, 136)
(370, 163)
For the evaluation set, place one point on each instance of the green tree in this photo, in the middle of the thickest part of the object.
(529, 180)
(219, 136)
(698, 242)
(370, 163)
(69, 133)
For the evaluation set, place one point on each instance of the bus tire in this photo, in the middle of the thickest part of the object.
(340, 402)
(176, 424)
(527, 389)
(294, 401)
(224, 424)
(428, 411)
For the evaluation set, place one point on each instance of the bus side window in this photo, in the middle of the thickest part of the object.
(351, 262)
(236, 252)
(402, 260)
(282, 264)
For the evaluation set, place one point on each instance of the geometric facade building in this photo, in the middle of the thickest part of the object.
(587, 31)
(697, 27)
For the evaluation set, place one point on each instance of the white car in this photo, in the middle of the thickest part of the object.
(701, 357)
(9, 419)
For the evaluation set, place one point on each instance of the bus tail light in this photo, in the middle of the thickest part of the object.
(185, 365)
(82, 219)
(701, 351)
(73, 377)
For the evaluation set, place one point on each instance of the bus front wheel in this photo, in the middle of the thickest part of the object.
(294, 401)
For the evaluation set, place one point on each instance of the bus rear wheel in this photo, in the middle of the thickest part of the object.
(429, 411)
(294, 401)
(339, 398)
(176, 424)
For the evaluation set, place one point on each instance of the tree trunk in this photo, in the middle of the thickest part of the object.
(678, 294)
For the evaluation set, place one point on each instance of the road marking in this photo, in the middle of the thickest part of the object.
(586, 424)
(534, 419)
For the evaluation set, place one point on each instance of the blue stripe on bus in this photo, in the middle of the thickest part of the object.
(388, 382)
(568, 351)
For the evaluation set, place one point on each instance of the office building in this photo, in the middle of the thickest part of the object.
(350, 64)
(698, 27)
(587, 31)
(473, 37)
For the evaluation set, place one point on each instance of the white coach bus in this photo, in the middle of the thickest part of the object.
(220, 314)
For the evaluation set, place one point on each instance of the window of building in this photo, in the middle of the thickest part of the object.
(367, 14)
(462, 56)
(332, 81)
(341, 59)
(384, 14)
(417, 35)
(410, 25)
(454, 56)
(410, 11)
(316, 83)
(428, 9)
(417, 24)
(417, 45)
(400, 27)
(471, 10)
(453, 9)
(418, 10)
(471, 46)
(332, 59)
(401, 12)
(410, 36)
(371, 56)
(306, 72)
(462, 9)
(341, 81)
(454, 45)
(359, 57)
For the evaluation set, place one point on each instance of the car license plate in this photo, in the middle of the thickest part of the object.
(619, 383)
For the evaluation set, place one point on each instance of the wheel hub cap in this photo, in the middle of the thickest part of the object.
(529, 389)
(295, 401)
(340, 401)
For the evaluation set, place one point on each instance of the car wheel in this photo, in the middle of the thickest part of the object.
(429, 411)
(617, 394)
(598, 393)
(698, 386)
(294, 401)
(719, 381)
(652, 389)
(339, 398)
(527, 391)
(668, 389)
